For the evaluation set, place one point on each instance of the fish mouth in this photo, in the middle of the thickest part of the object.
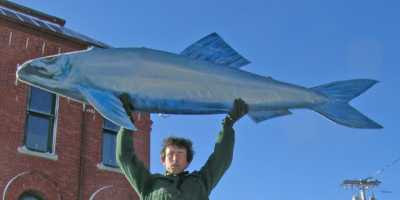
(27, 70)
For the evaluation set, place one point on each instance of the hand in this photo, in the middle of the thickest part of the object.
(126, 103)
(240, 108)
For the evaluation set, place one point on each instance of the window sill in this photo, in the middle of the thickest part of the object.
(107, 168)
(49, 156)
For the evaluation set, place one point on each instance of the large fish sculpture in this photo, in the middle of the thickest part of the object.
(203, 79)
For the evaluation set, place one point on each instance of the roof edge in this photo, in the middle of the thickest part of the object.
(32, 12)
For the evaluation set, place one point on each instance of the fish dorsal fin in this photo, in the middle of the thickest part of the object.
(213, 48)
(109, 106)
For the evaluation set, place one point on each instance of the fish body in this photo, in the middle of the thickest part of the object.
(203, 79)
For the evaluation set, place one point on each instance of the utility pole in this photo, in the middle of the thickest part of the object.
(363, 185)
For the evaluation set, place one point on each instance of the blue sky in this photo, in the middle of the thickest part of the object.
(310, 42)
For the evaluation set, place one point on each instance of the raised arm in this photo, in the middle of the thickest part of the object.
(220, 160)
(133, 168)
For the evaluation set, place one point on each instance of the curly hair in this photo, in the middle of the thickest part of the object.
(181, 143)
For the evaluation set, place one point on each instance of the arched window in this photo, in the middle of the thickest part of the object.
(30, 196)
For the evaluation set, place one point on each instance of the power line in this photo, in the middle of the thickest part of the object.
(387, 166)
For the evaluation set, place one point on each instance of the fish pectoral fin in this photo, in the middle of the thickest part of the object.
(213, 48)
(259, 116)
(109, 106)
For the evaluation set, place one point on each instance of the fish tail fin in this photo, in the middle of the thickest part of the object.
(338, 109)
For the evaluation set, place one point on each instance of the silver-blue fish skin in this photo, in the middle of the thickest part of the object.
(163, 82)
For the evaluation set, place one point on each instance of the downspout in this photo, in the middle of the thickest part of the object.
(81, 158)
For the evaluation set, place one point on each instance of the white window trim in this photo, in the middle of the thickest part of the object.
(49, 156)
(55, 125)
(101, 166)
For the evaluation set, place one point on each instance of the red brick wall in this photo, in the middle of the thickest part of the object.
(74, 175)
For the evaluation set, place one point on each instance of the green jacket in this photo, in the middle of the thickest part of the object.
(186, 186)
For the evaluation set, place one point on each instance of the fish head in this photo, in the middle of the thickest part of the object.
(46, 72)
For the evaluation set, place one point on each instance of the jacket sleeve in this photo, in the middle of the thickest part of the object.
(134, 170)
(220, 160)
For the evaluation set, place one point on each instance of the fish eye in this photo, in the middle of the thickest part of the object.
(50, 60)
(42, 69)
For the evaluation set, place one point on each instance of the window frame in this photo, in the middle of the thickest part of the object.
(113, 132)
(52, 118)
(30, 194)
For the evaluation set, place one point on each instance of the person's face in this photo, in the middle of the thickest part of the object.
(175, 159)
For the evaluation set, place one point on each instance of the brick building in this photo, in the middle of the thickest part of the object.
(50, 147)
